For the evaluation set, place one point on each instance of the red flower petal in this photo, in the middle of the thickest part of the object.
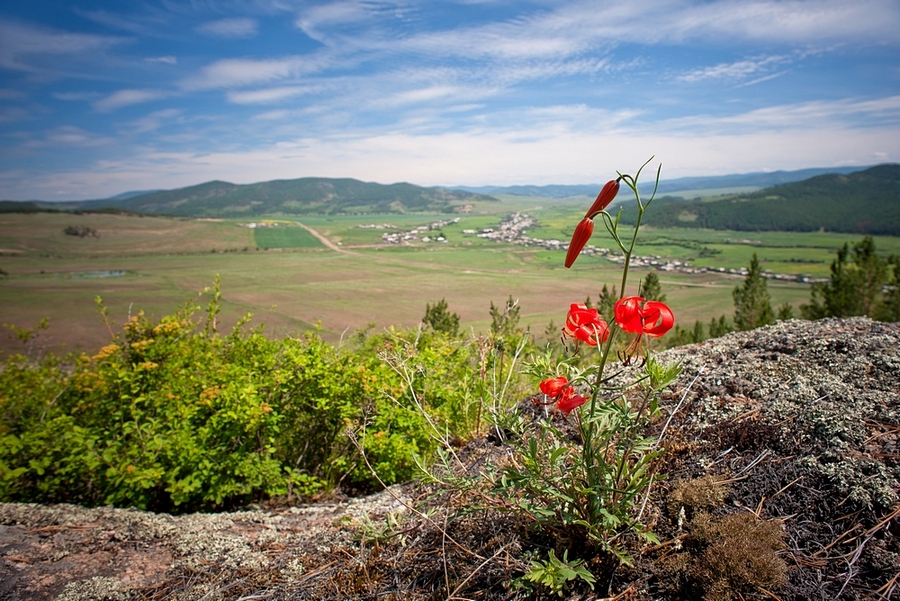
(627, 311)
(658, 318)
(585, 325)
(570, 400)
(553, 387)
(580, 236)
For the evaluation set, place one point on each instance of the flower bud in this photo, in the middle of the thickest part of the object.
(606, 196)
(582, 234)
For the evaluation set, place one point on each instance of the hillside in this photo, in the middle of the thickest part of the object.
(865, 202)
(667, 186)
(296, 197)
(789, 431)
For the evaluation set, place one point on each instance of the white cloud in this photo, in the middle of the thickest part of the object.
(681, 21)
(734, 70)
(153, 121)
(239, 27)
(797, 117)
(76, 96)
(168, 60)
(10, 94)
(123, 98)
(269, 95)
(70, 135)
(22, 46)
(342, 13)
(237, 72)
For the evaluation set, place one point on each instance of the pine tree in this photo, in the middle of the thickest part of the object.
(606, 300)
(651, 289)
(439, 318)
(752, 305)
(785, 312)
(719, 327)
(853, 288)
(889, 310)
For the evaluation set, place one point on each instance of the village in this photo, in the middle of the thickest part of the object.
(513, 229)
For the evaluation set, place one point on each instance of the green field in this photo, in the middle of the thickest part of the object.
(154, 265)
(284, 236)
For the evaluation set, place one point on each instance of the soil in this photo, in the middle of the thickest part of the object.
(782, 482)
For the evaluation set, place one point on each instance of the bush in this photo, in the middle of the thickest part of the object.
(172, 416)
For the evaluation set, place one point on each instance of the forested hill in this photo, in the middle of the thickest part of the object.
(297, 196)
(865, 202)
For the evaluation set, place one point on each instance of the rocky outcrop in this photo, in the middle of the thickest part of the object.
(788, 434)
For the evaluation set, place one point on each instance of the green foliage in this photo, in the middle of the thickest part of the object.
(680, 336)
(555, 573)
(440, 319)
(752, 304)
(889, 310)
(856, 285)
(785, 312)
(173, 416)
(651, 289)
(719, 327)
(605, 302)
(505, 323)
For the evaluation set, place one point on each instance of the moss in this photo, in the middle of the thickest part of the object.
(698, 493)
(739, 553)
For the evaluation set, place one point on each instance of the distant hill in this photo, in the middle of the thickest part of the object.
(667, 186)
(864, 202)
(298, 196)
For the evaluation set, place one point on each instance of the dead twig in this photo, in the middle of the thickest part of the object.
(352, 436)
(476, 570)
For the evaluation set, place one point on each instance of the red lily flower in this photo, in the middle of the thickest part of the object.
(585, 325)
(569, 400)
(561, 393)
(585, 227)
(637, 316)
(553, 387)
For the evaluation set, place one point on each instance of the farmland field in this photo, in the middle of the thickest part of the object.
(155, 265)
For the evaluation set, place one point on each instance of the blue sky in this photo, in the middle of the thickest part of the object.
(98, 97)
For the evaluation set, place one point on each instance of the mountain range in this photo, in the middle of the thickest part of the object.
(668, 186)
(293, 197)
(865, 200)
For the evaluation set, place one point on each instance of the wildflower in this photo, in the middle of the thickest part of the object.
(553, 387)
(585, 325)
(585, 227)
(561, 393)
(637, 316)
(569, 400)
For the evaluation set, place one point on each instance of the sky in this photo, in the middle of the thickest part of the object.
(100, 97)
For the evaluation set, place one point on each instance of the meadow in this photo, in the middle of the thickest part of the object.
(291, 282)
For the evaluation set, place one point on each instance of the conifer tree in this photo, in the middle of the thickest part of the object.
(651, 289)
(752, 304)
(719, 327)
(854, 286)
(889, 310)
(606, 300)
(439, 318)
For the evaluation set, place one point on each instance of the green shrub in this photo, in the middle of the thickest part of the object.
(172, 416)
